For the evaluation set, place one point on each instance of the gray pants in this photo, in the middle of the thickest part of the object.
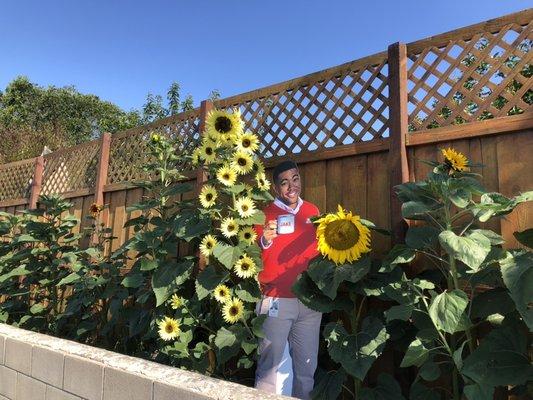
(301, 327)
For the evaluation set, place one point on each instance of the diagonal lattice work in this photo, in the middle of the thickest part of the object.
(129, 150)
(340, 106)
(71, 169)
(16, 179)
(485, 76)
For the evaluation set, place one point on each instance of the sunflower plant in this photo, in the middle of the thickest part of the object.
(468, 307)
(342, 282)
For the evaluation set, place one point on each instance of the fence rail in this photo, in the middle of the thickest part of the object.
(470, 82)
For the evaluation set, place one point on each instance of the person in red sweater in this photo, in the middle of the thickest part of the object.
(288, 242)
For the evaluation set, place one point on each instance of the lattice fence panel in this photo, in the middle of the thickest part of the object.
(337, 110)
(71, 169)
(485, 77)
(15, 179)
(129, 150)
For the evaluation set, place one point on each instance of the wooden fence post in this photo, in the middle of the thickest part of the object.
(399, 169)
(37, 181)
(201, 176)
(101, 172)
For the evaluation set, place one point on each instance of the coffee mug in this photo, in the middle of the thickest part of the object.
(285, 224)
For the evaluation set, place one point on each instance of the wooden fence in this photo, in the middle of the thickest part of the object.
(356, 130)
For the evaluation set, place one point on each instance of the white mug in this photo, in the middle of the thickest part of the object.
(285, 224)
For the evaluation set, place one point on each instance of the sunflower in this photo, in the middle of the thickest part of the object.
(207, 245)
(262, 182)
(455, 160)
(342, 237)
(224, 124)
(169, 328)
(245, 206)
(208, 151)
(259, 167)
(245, 267)
(195, 156)
(247, 142)
(208, 196)
(227, 175)
(248, 235)
(221, 293)
(242, 162)
(155, 138)
(229, 227)
(233, 310)
(95, 209)
(176, 301)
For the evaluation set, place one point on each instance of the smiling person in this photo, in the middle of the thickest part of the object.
(288, 242)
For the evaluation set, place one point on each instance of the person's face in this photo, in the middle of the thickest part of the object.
(288, 187)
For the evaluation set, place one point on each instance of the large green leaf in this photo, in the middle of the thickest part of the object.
(421, 392)
(167, 278)
(416, 354)
(400, 254)
(226, 254)
(258, 218)
(517, 273)
(470, 249)
(228, 342)
(248, 290)
(415, 210)
(327, 276)
(493, 301)
(525, 237)
(421, 237)
(501, 359)
(208, 280)
(328, 385)
(386, 389)
(447, 309)
(479, 392)
(309, 294)
(495, 204)
(356, 352)
(402, 312)
(19, 271)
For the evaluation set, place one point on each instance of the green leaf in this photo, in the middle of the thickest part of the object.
(400, 254)
(415, 210)
(421, 237)
(167, 278)
(327, 276)
(309, 294)
(478, 392)
(258, 218)
(248, 290)
(208, 280)
(372, 226)
(148, 265)
(430, 371)
(494, 238)
(460, 197)
(37, 308)
(257, 325)
(328, 385)
(517, 273)
(24, 238)
(357, 352)
(525, 237)
(386, 389)
(416, 354)
(70, 278)
(495, 204)
(501, 359)
(134, 280)
(446, 310)
(402, 312)
(226, 254)
(471, 249)
(493, 301)
(19, 271)
(421, 392)
(228, 342)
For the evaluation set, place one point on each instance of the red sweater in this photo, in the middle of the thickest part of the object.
(289, 254)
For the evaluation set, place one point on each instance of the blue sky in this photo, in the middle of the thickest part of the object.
(122, 49)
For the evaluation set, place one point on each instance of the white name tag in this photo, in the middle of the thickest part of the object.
(285, 224)
(273, 309)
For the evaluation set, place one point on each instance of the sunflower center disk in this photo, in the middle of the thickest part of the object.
(242, 162)
(341, 234)
(169, 329)
(223, 124)
(233, 310)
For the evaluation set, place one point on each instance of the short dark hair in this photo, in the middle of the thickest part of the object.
(282, 167)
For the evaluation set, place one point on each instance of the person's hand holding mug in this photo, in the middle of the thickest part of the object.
(270, 232)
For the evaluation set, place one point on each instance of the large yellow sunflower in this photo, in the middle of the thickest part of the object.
(248, 235)
(262, 182)
(207, 245)
(229, 227)
(227, 175)
(195, 156)
(233, 310)
(342, 237)
(176, 301)
(245, 267)
(169, 328)
(208, 196)
(455, 160)
(247, 142)
(245, 206)
(222, 293)
(242, 162)
(224, 124)
(208, 151)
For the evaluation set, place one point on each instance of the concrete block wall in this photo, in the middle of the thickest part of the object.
(40, 367)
